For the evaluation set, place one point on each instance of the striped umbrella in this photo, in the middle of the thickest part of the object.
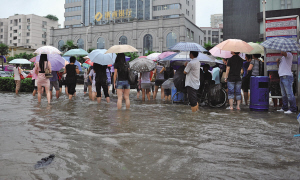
(281, 44)
(47, 50)
(187, 46)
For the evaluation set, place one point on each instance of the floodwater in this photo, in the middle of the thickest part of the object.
(153, 140)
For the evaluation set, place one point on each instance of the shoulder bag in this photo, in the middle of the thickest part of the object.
(47, 72)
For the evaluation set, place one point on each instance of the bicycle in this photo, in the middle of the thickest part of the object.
(203, 96)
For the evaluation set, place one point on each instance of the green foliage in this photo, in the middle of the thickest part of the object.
(90, 50)
(8, 84)
(68, 46)
(23, 55)
(52, 17)
(208, 46)
(3, 49)
(149, 52)
(259, 42)
(80, 59)
(132, 55)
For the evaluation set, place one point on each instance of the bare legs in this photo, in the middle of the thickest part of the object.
(195, 108)
(246, 97)
(90, 91)
(145, 92)
(40, 89)
(126, 96)
(120, 98)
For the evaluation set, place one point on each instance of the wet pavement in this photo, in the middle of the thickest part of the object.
(152, 140)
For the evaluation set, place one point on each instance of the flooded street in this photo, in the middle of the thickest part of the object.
(152, 140)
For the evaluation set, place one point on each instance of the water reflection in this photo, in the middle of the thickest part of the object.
(152, 140)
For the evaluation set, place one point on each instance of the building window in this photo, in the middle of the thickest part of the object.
(1, 30)
(10, 41)
(10, 35)
(10, 28)
(28, 20)
(19, 20)
(192, 35)
(100, 43)
(123, 40)
(10, 21)
(27, 41)
(28, 34)
(171, 39)
(188, 33)
(1, 36)
(1, 23)
(204, 39)
(15, 37)
(28, 27)
(80, 43)
(44, 29)
(148, 43)
(19, 27)
(286, 4)
(15, 31)
(43, 42)
(61, 43)
(209, 39)
(45, 23)
(209, 32)
(19, 40)
(44, 36)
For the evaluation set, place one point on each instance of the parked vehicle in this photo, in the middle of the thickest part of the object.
(4, 74)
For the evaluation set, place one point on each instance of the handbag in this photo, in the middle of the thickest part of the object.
(47, 72)
(153, 78)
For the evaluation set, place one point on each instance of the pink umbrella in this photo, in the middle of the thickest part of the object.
(33, 59)
(217, 52)
(142, 57)
(165, 54)
(235, 45)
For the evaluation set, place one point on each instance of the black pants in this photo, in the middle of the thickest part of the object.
(112, 82)
(104, 87)
(71, 88)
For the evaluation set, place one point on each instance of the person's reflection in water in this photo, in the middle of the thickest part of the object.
(121, 123)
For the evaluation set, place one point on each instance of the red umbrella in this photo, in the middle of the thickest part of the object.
(89, 62)
(33, 59)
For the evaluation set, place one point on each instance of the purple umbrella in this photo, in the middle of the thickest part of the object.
(57, 62)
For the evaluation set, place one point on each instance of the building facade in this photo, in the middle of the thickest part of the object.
(212, 35)
(84, 12)
(243, 19)
(26, 31)
(145, 35)
(216, 21)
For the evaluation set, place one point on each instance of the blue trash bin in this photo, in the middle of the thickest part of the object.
(259, 93)
(179, 97)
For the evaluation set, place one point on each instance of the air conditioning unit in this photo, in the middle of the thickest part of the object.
(43, 26)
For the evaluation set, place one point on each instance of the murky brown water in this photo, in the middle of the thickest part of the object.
(152, 140)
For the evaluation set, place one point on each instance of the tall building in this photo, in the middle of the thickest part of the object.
(216, 21)
(27, 31)
(212, 35)
(243, 19)
(78, 12)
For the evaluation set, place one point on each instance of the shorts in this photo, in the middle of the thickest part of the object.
(167, 92)
(159, 82)
(146, 85)
(192, 95)
(94, 87)
(18, 84)
(245, 84)
(123, 85)
(54, 84)
(108, 82)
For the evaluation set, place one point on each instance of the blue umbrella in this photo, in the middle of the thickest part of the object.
(98, 56)
(281, 44)
(67, 58)
(20, 61)
(4, 58)
(187, 46)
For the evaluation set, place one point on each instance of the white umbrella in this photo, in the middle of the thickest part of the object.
(153, 56)
(98, 56)
(121, 49)
(47, 50)
(20, 61)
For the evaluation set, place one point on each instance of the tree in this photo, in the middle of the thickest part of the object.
(52, 17)
(132, 55)
(149, 52)
(208, 46)
(3, 51)
(68, 46)
(90, 50)
(23, 55)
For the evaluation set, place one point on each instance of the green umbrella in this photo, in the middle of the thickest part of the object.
(20, 61)
(257, 48)
(76, 52)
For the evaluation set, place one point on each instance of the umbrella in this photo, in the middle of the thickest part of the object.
(168, 84)
(257, 48)
(57, 62)
(217, 52)
(47, 50)
(121, 49)
(76, 52)
(3, 58)
(153, 56)
(98, 56)
(20, 61)
(187, 46)
(281, 44)
(165, 54)
(86, 66)
(67, 58)
(142, 65)
(235, 45)
(86, 57)
(32, 59)
(179, 79)
(89, 62)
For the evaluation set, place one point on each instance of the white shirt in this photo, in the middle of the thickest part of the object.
(17, 74)
(145, 77)
(193, 74)
(93, 74)
(285, 66)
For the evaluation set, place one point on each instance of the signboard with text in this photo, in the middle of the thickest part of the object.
(113, 15)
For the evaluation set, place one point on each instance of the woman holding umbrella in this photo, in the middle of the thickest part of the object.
(101, 81)
(121, 72)
(41, 66)
(71, 70)
(17, 78)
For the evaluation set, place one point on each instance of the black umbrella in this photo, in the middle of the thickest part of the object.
(179, 79)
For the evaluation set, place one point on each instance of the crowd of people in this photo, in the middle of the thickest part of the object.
(235, 74)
